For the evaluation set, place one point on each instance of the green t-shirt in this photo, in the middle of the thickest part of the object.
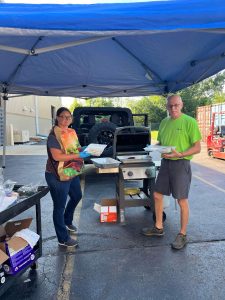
(182, 132)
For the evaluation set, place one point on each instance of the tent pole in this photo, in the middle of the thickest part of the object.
(4, 132)
(36, 115)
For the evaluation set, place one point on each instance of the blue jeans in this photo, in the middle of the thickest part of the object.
(62, 210)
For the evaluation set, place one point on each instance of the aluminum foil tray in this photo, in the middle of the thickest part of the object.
(105, 162)
(159, 148)
(134, 158)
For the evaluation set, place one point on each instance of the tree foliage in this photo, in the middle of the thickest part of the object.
(154, 106)
(99, 102)
(205, 92)
(76, 103)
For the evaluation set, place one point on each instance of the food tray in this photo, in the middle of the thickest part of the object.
(134, 158)
(159, 148)
(132, 191)
(105, 162)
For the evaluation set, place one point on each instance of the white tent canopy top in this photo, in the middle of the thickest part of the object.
(123, 49)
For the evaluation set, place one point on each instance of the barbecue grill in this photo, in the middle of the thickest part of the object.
(136, 165)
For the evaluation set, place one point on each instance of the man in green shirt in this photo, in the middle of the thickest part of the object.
(174, 176)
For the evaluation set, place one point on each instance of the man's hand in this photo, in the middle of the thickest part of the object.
(173, 154)
(196, 148)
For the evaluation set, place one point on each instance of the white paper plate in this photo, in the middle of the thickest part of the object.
(159, 148)
(95, 149)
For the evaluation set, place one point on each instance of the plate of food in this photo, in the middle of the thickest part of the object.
(95, 149)
(159, 148)
(132, 191)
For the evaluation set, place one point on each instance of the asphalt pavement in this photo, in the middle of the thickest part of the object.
(117, 262)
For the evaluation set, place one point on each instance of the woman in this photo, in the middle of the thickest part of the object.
(64, 164)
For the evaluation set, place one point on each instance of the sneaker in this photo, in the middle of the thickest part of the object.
(71, 228)
(154, 231)
(70, 243)
(180, 241)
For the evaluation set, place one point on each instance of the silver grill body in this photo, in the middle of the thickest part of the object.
(136, 165)
(138, 171)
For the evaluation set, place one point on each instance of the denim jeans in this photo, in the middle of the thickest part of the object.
(62, 210)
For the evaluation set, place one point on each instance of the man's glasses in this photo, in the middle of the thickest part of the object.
(66, 117)
(173, 105)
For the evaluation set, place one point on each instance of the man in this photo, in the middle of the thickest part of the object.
(174, 176)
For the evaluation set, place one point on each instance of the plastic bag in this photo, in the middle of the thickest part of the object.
(8, 186)
(28, 190)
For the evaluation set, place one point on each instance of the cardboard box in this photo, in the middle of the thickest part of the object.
(3, 258)
(108, 210)
(19, 253)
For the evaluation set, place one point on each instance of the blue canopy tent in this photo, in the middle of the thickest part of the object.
(108, 50)
(126, 49)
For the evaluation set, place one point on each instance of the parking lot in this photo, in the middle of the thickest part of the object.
(117, 262)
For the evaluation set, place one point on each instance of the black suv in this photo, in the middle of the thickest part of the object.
(98, 124)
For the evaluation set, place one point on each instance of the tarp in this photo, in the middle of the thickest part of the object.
(125, 49)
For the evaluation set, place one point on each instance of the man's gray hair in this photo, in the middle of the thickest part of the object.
(173, 95)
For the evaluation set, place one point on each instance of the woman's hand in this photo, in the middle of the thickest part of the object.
(84, 154)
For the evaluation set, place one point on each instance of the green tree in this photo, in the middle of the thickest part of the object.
(219, 97)
(154, 106)
(76, 103)
(99, 102)
(206, 92)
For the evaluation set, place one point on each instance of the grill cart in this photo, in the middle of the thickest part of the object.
(136, 166)
(134, 170)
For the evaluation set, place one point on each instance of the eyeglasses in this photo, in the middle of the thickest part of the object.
(173, 105)
(65, 117)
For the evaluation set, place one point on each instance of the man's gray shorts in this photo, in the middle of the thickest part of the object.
(174, 178)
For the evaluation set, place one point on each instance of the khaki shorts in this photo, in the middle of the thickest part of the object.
(174, 178)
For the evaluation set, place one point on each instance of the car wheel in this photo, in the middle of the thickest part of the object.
(103, 133)
(210, 153)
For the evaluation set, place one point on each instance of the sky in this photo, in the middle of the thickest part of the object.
(67, 101)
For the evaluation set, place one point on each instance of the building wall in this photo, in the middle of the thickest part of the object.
(32, 113)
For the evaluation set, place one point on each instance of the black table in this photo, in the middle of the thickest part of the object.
(16, 209)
